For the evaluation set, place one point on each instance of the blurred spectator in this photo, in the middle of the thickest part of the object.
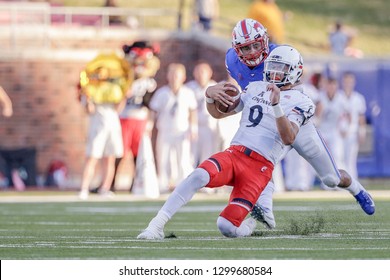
(318, 81)
(270, 16)
(340, 40)
(5, 104)
(174, 111)
(103, 84)
(57, 174)
(142, 57)
(207, 142)
(356, 131)
(334, 120)
(207, 11)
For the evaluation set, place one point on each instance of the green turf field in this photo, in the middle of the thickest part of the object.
(306, 229)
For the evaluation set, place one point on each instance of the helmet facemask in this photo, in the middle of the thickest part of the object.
(254, 52)
(277, 73)
(284, 66)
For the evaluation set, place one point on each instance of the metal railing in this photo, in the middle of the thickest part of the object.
(17, 13)
(34, 20)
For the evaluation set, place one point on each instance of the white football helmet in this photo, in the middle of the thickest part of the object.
(283, 66)
(250, 41)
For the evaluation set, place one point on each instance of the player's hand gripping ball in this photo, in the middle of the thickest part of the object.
(234, 93)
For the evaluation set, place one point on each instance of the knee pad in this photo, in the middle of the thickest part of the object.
(331, 181)
(235, 213)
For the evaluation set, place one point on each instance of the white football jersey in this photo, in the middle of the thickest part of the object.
(258, 130)
(173, 110)
(356, 107)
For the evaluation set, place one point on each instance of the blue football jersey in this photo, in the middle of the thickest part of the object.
(241, 72)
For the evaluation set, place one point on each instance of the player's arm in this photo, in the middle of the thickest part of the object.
(217, 93)
(287, 130)
(5, 103)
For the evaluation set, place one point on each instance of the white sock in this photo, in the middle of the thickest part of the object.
(355, 187)
(265, 199)
(159, 221)
(180, 196)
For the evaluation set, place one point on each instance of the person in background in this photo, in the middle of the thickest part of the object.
(356, 131)
(207, 11)
(334, 120)
(5, 104)
(142, 57)
(173, 109)
(271, 17)
(6, 111)
(207, 141)
(103, 89)
(341, 39)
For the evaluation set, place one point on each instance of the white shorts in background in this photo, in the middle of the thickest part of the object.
(104, 135)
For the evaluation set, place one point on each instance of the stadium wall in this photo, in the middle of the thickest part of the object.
(42, 85)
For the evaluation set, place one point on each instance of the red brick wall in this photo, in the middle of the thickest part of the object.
(47, 114)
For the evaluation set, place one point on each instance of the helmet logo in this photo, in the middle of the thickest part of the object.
(244, 29)
(276, 57)
(257, 26)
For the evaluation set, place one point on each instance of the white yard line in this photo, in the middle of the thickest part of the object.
(39, 196)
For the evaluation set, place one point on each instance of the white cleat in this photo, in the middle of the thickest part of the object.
(149, 234)
(264, 215)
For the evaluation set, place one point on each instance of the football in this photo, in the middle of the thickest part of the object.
(222, 108)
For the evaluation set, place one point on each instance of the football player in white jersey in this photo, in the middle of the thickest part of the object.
(244, 63)
(272, 114)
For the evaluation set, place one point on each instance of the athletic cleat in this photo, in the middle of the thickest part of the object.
(264, 216)
(366, 202)
(150, 234)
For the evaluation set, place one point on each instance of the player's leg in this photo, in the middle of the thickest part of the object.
(312, 147)
(249, 185)
(178, 198)
(216, 171)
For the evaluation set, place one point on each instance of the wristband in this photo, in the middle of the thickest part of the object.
(278, 111)
(209, 100)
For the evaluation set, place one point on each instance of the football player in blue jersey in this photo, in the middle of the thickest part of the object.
(244, 63)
